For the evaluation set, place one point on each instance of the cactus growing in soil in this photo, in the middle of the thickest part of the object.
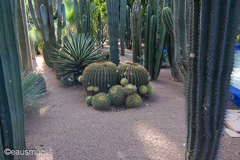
(113, 23)
(101, 101)
(143, 90)
(117, 95)
(133, 101)
(130, 89)
(136, 26)
(101, 74)
(122, 25)
(82, 17)
(213, 29)
(88, 100)
(134, 73)
(44, 22)
(11, 99)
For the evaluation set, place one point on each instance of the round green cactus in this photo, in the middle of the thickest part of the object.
(150, 89)
(130, 89)
(101, 74)
(134, 73)
(143, 90)
(95, 89)
(80, 78)
(88, 100)
(101, 101)
(124, 81)
(133, 101)
(117, 95)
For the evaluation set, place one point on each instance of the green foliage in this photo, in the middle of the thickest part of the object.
(133, 101)
(88, 100)
(33, 87)
(76, 53)
(130, 89)
(101, 74)
(101, 101)
(117, 95)
(134, 73)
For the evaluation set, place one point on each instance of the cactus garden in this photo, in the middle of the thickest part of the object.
(117, 79)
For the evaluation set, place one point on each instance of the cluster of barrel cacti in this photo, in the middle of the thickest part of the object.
(120, 85)
(44, 22)
(82, 17)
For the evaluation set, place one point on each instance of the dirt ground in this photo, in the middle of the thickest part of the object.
(69, 130)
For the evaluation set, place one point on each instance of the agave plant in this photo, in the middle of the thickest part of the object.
(76, 53)
(33, 87)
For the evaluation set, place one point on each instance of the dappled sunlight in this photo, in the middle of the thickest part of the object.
(48, 155)
(40, 63)
(44, 110)
(156, 145)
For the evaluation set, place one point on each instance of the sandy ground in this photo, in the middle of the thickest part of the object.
(69, 130)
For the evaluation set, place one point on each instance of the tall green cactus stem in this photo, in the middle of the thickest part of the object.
(136, 18)
(167, 17)
(82, 18)
(113, 23)
(43, 19)
(122, 25)
(128, 29)
(146, 37)
(11, 99)
(180, 37)
(213, 31)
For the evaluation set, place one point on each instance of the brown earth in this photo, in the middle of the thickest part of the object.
(69, 130)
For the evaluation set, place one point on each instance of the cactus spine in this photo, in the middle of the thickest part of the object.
(82, 17)
(11, 100)
(113, 23)
(122, 25)
(44, 22)
(213, 30)
(128, 30)
(136, 32)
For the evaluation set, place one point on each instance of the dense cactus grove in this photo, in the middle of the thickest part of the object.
(80, 42)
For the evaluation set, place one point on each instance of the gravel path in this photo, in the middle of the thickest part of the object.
(69, 130)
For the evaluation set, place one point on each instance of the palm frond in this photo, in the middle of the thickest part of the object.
(33, 87)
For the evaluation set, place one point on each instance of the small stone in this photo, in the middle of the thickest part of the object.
(146, 104)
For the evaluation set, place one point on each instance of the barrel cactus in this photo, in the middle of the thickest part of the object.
(133, 101)
(88, 100)
(101, 101)
(150, 89)
(130, 89)
(143, 90)
(135, 74)
(124, 81)
(100, 74)
(117, 95)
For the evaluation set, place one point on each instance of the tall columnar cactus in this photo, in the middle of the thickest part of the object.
(180, 37)
(44, 22)
(11, 99)
(113, 23)
(167, 17)
(122, 25)
(128, 29)
(136, 27)
(213, 31)
(82, 17)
